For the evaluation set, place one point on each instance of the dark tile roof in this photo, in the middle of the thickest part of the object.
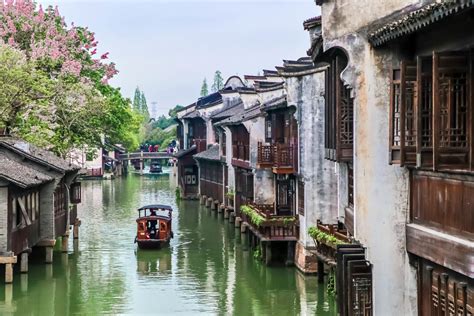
(262, 86)
(296, 67)
(270, 73)
(275, 103)
(246, 90)
(254, 77)
(20, 174)
(191, 115)
(228, 111)
(37, 154)
(413, 18)
(212, 153)
(209, 100)
(185, 152)
(313, 22)
(245, 115)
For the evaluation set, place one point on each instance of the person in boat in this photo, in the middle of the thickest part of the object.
(152, 225)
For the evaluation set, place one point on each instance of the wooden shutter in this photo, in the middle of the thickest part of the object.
(451, 110)
(339, 116)
(403, 124)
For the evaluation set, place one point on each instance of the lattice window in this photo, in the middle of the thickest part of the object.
(350, 185)
(433, 96)
(339, 113)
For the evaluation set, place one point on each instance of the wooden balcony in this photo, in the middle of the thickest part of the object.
(442, 220)
(265, 156)
(282, 158)
(326, 249)
(271, 227)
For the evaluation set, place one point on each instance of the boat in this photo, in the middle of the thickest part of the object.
(154, 226)
(156, 168)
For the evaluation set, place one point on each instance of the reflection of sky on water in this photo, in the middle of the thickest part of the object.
(206, 270)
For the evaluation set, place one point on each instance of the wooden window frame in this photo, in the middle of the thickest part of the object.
(339, 114)
(441, 135)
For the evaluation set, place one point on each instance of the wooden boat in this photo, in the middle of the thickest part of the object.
(155, 167)
(154, 226)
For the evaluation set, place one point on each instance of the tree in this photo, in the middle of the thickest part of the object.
(24, 90)
(204, 89)
(218, 81)
(137, 101)
(144, 107)
(173, 112)
(55, 91)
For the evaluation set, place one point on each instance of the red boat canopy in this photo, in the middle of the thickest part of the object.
(156, 207)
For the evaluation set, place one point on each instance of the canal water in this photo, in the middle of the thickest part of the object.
(207, 269)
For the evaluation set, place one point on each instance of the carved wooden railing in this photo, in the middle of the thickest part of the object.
(285, 156)
(273, 227)
(278, 156)
(265, 155)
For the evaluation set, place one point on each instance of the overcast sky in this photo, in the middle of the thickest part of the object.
(167, 47)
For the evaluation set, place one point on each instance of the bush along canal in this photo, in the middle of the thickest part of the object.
(209, 267)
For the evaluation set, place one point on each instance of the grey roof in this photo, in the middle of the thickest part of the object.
(301, 66)
(191, 115)
(228, 111)
(20, 174)
(210, 154)
(37, 154)
(413, 18)
(246, 115)
(276, 103)
(312, 22)
(184, 152)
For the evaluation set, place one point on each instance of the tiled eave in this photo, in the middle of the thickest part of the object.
(412, 19)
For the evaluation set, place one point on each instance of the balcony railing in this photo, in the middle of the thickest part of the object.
(272, 227)
(265, 155)
(283, 158)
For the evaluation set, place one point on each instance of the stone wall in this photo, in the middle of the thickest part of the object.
(306, 93)
(380, 190)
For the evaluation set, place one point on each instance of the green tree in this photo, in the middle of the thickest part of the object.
(204, 89)
(24, 92)
(173, 112)
(218, 81)
(144, 107)
(137, 101)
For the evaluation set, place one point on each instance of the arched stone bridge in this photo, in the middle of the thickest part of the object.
(145, 155)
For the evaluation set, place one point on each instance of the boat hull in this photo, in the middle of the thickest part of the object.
(152, 243)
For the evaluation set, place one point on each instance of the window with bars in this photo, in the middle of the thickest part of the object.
(430, 112)
(339, 114)
(301, 197)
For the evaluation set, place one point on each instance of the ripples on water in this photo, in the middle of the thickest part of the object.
(206, 270)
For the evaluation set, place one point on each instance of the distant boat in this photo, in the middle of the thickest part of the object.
(156, 168)
(154, 226)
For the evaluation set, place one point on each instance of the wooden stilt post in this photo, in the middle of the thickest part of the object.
(65, 243)
(213, 205)
(8, 261)
(268, 253)
(320, 271)
(290, 254)
(24, 262)
(231, 216)
(75, 230)
(226, 213)
(8, 273)
(49, 254)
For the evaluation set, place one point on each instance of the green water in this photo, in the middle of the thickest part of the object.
(206, 270)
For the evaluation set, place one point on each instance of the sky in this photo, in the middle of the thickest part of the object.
(167, 47)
